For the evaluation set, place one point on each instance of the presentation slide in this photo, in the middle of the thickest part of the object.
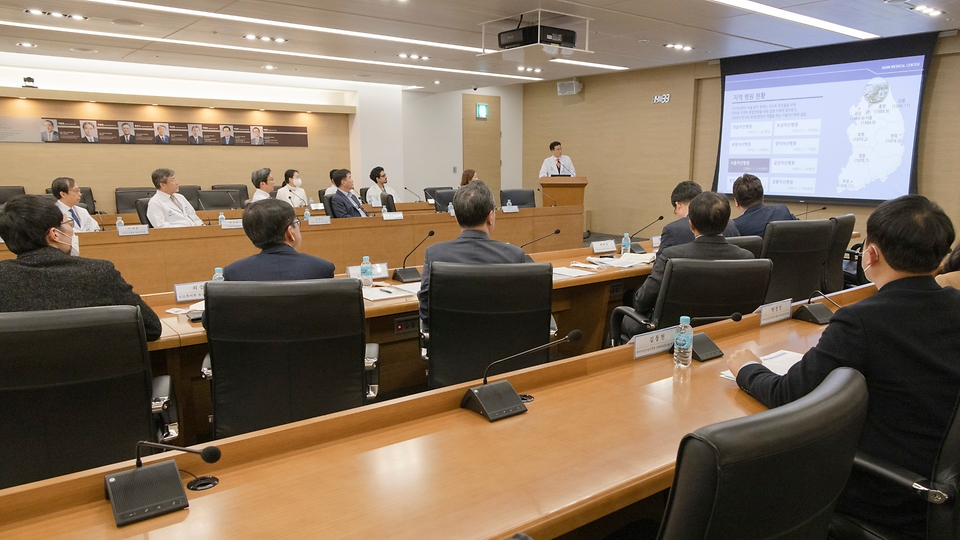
(841, 131)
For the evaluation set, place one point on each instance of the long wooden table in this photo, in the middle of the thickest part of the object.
(601, 434)
(582, 303)
(155, 262)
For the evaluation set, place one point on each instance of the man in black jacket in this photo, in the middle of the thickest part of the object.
(44, 276)
(678, 232)
(904, 340)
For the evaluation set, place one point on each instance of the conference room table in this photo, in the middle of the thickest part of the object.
(601, 434)
(582, 303)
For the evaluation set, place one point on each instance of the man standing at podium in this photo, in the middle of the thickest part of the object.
(557, 164)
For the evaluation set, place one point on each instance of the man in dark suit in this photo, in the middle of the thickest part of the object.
(678, 232)
(162, 137)
(126, 137)
(344, 203)
(196, 137)
(476, 214)
(44, 276)
(904, 340)
(49, 133)
(709, 213)
(226, 136)
(273, 227)
(748, 194)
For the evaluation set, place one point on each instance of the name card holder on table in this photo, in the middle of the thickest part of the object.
(316, 206)
(318, 220)
(392, 216)
(133, 230)
(653, 342)
(512, 209)
(604, 246)
(774, 311)
(186, 292)
(231, 224)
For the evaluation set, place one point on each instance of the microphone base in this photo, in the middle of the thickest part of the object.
(493, 401)
(637, 249)
(704, 348)
(202, 483)
(406, 275)
(815, 312)
(145, 492)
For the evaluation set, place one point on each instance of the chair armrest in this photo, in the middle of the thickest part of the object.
(424, 345)
(903, 477)
(206, 369)
(616, 322)
(163, 406)
(371, 370)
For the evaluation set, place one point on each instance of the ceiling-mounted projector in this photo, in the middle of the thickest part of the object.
(528, 36)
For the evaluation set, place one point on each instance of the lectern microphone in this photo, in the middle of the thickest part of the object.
(407, 275)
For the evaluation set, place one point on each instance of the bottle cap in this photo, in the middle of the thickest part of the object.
(218, 270)
(684, 320)
(366, 258)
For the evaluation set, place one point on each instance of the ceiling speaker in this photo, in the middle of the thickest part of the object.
(568, 88)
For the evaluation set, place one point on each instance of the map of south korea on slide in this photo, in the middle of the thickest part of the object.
(876, 135)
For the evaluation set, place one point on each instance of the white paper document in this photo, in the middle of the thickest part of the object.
(384, 293)
(569, 272)
(778, 362)
(412, 288)
(616, 263)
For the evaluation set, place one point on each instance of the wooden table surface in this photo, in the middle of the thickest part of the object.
(602, 433)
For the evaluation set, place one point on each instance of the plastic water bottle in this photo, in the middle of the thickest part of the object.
(450, 209)
(683, 343)
(311, 201)
(217, 274)
(625, 244)
(119, 222)
(306, 215)
(509, 202)
(366, 272)
(221, 219)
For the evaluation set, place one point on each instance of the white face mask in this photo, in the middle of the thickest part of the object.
(74, 244)
(297, 182)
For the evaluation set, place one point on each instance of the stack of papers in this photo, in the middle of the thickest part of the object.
(384, 293)
(569, 272)
(635, 259)
(778, 362)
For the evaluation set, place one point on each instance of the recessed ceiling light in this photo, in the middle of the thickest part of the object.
(424, 57)
(538, 70)
(211, 107)
(25, 44)
(154, 104)
(402, 55)
(222, 46)
(520, 68)
(529, 69)
(264, 38)
(262, 109)
(436, 82)
(757, 7)
(412, 87)
(309, 112)
(55, 14)
(250, 36)
(78, 17)
(280, 40)
(587, 64)
(414, 56)
(92, 101)
(23, 97)
(669, 45)
(687, 48)
(35, 12)
(269, 67)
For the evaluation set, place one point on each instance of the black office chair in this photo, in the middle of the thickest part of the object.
(327, 204)
(219, 199)
(141, 205)
(86, 199)
(484, 312)
(442, 198)
(697, 288)
(8, 192)
(429, 192)
(774, 475)
(126, 198)
(831, 278)
(267, 375)
(363, 194)
(522, 198)
(242, 196)
(191, 194)
(386, 201)
(753, 244)
(852, 265)
(940, 490)
(76, 392)
(797, 249)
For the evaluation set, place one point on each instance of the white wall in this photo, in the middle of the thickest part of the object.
(433, 137)
(376, 136)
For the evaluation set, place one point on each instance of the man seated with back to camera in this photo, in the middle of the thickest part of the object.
(273, 227)
(476, 214)
(44, 275)
(709, 213)
(678, 232)
(748, 194)
(904, 340)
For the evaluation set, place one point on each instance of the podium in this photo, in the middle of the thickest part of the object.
(565, 190)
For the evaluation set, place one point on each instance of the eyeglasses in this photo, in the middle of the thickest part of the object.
(296, 222)
(68, 221)
(74, 190)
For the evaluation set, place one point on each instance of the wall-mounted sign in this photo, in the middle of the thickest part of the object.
(662, 98)
(482, 111)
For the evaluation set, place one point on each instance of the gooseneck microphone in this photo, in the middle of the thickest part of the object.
(539, 239)
(294, 193)
(234, 201)
(100, 221)
(735, 317)
(551, 198)
(205, 211)
(407, 275)
(210, 454)
(414, 193)
(646, 226)
(812, 211)
(499, 400)
(815, 312)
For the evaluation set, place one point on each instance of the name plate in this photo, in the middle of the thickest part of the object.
(392, 216)
(187, 292)
(510, 209)
(655, 240)
(231, 224)
(775, 311)
(604, 246)
(431, 201)
(316, 206)
(133, 230)
(379, 271)
(653, 342)
(318, 220)
(375, 202)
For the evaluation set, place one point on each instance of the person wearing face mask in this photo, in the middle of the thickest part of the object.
(68, 196)
(379, 177)
(44, 276)
(290, 191)
(904, 340)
